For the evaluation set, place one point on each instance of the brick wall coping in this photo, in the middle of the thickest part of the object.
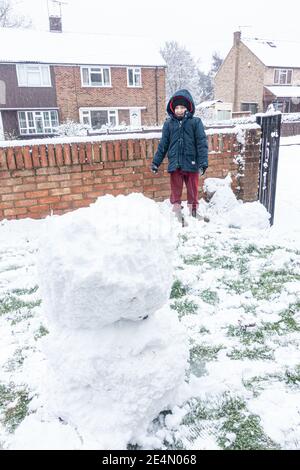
(103, 138)
(79, 139)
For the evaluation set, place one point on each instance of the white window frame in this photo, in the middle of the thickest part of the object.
(136, 71)
(283, 73)
(85, 115)
(1, 128)
(23, 82)
(37, 114)
(100, 70)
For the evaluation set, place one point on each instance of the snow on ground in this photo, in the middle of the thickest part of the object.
(236, 292)
(287, 209)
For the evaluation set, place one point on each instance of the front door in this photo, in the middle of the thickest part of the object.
(135, 117)
(1, 128)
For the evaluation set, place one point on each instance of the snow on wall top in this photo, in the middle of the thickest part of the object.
(275, 54)
(69, 48)
(125, 136)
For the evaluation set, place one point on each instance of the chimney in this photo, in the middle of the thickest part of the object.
(237, 38)
(55, 24)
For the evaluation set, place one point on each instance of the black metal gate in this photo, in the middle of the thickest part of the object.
(269, 153)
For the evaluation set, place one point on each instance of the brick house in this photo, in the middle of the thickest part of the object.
(257, 72)
(48, 77)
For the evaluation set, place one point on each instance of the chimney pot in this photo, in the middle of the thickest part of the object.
(237, 37)
(55, 24)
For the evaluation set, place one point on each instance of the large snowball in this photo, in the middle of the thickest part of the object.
(111, 383)
(106, 262)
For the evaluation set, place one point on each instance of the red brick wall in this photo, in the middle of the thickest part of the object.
(71, 95)
(44, 179)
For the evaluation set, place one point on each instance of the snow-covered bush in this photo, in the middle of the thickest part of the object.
(71, 128)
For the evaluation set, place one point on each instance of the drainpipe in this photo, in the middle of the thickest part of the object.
(156, 95)
(236, 42)
(75, 89)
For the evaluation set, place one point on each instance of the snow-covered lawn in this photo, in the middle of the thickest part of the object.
(237, 294)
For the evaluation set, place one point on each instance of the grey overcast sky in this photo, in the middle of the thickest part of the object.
(202, 27)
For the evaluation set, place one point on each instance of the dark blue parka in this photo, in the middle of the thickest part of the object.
(185, 140)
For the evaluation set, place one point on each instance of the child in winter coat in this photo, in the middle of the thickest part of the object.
(183, 137)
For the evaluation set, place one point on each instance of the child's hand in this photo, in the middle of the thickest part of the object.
(154, 168)
(202, 170)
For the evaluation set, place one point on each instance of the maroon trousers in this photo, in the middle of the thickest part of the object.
(191, 181)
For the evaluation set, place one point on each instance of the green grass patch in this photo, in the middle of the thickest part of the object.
(240, 429)
(204, 331)
(14, 403)
(209, 296)
(254, 353)
(11, 267)
(268, 284)
(232, 425)
(17, 360)
(254, 250)
(246, 337)
(25, 291)
(42, 331)
(204, 352)
(178, 290)
(183, 238)
(185, 307)
(224, 262)
(272, 282)
(12, 303)
(257, 384)
(292, 376)
(238, 286)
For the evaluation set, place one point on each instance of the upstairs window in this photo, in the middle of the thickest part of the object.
(33, 75)
(283, 76)
(95, 76)
(134, 77)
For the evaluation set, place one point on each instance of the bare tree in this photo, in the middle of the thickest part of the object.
(9, 18)
(182, 70)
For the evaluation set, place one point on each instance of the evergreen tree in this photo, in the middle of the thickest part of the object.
(216, 63)
(205, 86)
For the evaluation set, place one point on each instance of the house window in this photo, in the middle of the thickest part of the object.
(97, 118)
(2, 92)
(134, 77)
(223, 114)
(283, 76)
(37, 122)
(95, 76)
(33, 75)
(252, 107)
(284, 106)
